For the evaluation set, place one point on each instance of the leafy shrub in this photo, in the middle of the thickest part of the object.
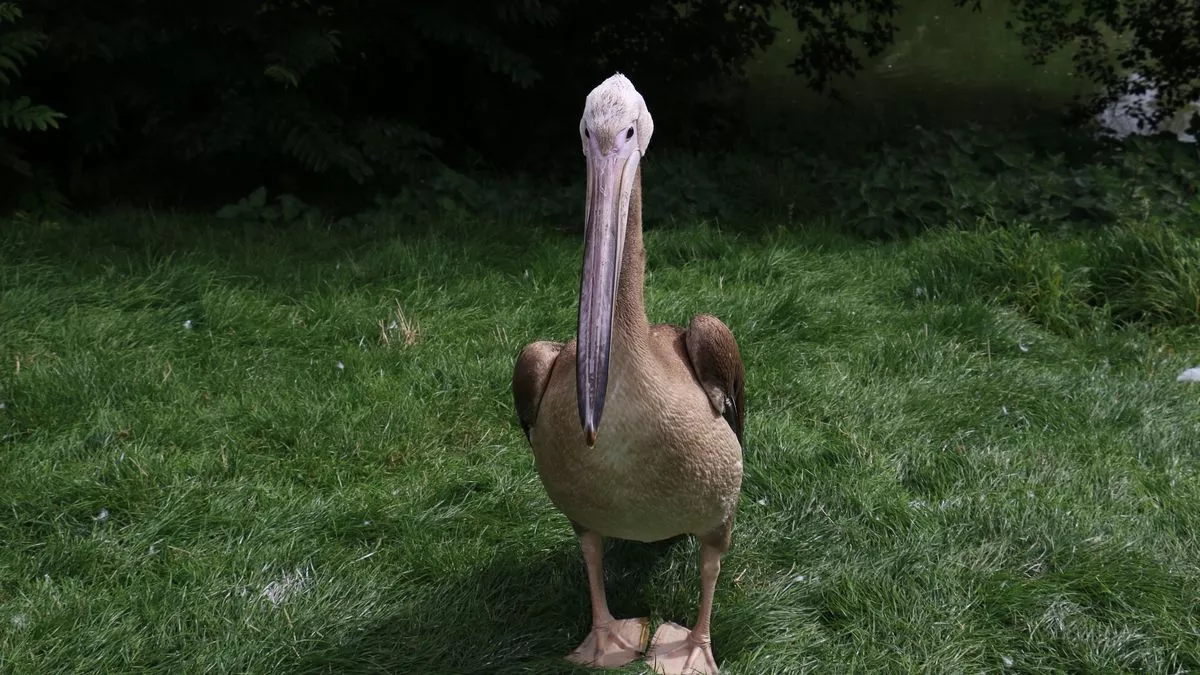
(288, 208)
(678, 186)
(20, 41)
(319, 95)
(957, 177)
(928, 179)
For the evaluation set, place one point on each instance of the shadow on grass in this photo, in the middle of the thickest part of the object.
(511, 615)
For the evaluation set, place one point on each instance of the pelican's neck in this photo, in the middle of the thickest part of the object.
(630, 325)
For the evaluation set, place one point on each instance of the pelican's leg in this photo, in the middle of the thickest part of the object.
(678, 651)
(611, 643)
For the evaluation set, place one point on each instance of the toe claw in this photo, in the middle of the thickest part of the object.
(676, 652)
(614, 645)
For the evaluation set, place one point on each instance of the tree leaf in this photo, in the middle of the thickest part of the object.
(230, 211)
(258, 198)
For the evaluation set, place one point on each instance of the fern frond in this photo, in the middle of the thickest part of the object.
(305, 51)
(26, 115)
(19, 43)
(317, 142)
(376, 133)
(319, 47)
(283, 74)
(10, 12)
(15, 47)
(393, 144)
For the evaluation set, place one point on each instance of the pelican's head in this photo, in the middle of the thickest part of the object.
(615, 117)
(615, 130)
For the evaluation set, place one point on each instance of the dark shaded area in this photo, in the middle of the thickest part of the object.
(133, 101)
(189, 106)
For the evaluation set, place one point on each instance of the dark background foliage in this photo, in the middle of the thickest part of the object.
(197, 104)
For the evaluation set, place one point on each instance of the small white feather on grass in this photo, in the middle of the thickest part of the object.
(280, 590)
(400, 326)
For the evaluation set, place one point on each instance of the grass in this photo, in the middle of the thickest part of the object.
(250, 450)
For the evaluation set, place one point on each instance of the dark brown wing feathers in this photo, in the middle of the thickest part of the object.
(530, 375)
(717, 363)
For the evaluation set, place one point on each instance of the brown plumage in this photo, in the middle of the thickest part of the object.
(636, 429)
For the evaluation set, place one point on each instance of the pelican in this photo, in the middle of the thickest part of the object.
(636, 429)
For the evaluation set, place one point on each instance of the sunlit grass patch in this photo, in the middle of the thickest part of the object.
(261, 451)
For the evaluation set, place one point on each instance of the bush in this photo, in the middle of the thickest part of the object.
(326, 96)
(309, 96)
(20, 41)
(928, 179)
(956, 177)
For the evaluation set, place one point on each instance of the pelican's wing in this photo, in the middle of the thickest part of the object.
(717, 363)
(530, 375)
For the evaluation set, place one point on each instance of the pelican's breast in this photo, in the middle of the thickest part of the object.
(665, 463)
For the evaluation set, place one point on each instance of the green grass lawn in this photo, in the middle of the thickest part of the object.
(240, 450)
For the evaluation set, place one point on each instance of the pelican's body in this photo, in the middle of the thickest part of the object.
(635, 428)
(664, 464)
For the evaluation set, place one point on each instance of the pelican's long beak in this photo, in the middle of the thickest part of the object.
(610, 179)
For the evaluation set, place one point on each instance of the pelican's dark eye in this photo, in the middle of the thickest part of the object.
(629, 134)
(586, 133)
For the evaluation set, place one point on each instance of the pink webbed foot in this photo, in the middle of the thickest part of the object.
(676, 651)
(613, 645)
